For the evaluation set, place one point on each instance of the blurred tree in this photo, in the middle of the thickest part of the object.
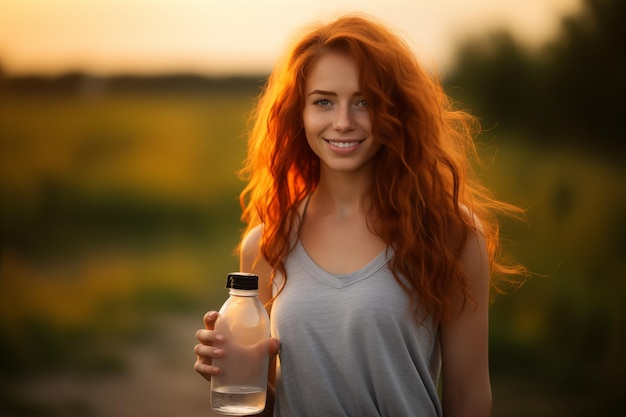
(569, 92)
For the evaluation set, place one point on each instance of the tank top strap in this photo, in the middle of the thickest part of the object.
(306, 206)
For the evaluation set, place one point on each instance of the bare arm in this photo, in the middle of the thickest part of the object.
(248, 262)
(464, 341)
(210, 343)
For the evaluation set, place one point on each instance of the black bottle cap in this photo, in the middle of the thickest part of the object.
(242, 281)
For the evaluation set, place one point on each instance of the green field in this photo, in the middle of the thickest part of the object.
(118, 210)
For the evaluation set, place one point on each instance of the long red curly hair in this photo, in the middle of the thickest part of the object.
(424, 185)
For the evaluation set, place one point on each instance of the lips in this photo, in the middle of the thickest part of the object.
(344, 143)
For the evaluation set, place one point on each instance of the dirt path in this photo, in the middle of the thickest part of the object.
(160, 381)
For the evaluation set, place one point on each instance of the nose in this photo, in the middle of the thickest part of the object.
(343, 119)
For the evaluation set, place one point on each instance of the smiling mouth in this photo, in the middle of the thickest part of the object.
(344, 143)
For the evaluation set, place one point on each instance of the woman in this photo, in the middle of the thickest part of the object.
(373, 243)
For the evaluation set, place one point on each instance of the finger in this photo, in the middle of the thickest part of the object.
(206, 370)
(206, 353)
(209, 319)
(209, 337)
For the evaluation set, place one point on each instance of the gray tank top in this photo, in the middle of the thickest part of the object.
(350, 346)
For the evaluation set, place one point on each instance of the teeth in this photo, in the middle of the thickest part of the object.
(343, 144)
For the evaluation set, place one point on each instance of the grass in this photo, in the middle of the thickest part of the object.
(112, 208)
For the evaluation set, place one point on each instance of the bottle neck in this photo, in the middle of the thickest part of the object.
(243, 293)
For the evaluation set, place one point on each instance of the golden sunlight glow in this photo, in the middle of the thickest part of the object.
(217, 36)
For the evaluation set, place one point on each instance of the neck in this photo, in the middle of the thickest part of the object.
(342, 194)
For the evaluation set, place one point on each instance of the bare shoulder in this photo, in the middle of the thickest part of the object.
(474, 257)
(471, 218)
(251, 260)
(249, 248)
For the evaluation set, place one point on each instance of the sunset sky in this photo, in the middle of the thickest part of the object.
(237, 36)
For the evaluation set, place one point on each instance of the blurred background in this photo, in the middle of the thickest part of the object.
(121, 129)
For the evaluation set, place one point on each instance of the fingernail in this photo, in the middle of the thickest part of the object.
(219, 338)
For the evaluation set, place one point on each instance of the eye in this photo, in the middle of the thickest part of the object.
(322, 102)
(361, 103)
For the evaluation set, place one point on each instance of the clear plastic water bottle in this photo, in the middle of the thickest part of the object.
(241, 387)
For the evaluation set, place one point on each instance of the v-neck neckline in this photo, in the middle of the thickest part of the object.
(340, 280)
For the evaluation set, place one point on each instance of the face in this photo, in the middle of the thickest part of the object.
(336, 115)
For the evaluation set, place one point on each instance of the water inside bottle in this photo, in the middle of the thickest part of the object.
(238, 400)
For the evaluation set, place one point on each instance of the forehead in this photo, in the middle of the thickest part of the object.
(332, 71)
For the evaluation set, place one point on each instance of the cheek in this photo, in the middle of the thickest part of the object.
(313, 126)
(310, 120)
(312, 139)
(309, 133)
(365, 121)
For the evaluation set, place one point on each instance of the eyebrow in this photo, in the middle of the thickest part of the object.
(330, 93)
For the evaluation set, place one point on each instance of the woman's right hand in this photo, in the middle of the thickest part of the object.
(209, 347)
